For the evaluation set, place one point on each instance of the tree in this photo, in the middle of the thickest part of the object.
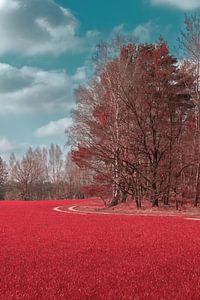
(29, 173)
(146, 95)
(3, 178)
(75, 178)
(55, 169)
(190, 44)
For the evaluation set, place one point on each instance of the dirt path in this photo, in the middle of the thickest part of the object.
(97, 209)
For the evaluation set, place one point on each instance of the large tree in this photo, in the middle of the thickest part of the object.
(129, 119)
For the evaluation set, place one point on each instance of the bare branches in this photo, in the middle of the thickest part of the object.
(132, 116)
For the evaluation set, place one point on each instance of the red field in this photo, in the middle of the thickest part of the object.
(50, 255)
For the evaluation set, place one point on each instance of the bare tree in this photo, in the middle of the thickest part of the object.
(128, 120)
(190, 44)
(28, 173)
(56, 169)
(3, 178)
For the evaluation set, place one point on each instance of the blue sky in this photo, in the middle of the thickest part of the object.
(45, 54)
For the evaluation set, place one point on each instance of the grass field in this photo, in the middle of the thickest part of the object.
(48, 255)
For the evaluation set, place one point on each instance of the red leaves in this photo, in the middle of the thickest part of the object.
(80, 156)
(102, 118)
(97, 190)
(127, 52)
(133, 120)
(101, 115)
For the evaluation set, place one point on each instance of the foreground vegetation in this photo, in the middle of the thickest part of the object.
(68, 256)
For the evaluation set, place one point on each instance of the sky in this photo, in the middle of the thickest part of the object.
(45, 54)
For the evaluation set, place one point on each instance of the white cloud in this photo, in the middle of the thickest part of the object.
(180, 4)
(9, 146)
(80, 75)
(53, 128)
(32, 27)
(119, 29)
(142, 32)
(28, 90)
(6, 145)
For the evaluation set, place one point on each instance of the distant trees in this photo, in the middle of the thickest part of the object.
(130, 124)
(29, 173)
(55, 169)
(75, 178)
(3, 178)
(41, 174)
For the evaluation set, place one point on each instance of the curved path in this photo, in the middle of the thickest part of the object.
(49, 255)
(95, 208)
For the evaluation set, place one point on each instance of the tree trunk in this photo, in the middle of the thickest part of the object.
(166, 198)
(197, 196)
(182, 198)
(176, 200)
(139, 198)
(154, 198)
(124, 196)
(114, 202)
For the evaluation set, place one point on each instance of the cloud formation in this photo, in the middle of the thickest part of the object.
(32, 27)
(53, 128)
(81, 75)
(180, 4)
(142, 33)
(28, 90)
(6, 145)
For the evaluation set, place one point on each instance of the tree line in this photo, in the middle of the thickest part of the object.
(41, 174)
(136, 124)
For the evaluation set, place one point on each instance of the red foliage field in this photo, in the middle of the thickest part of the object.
(50, 255)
